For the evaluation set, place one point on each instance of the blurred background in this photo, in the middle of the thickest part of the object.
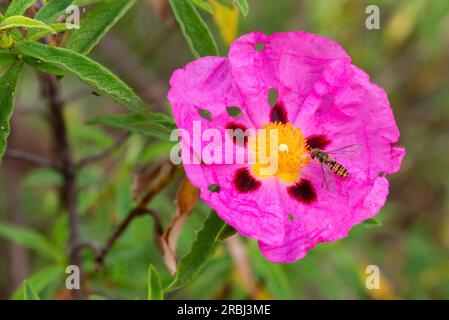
(408, 56)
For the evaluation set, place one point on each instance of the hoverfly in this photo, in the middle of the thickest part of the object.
(328, 163)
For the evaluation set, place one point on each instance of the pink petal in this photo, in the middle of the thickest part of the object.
(289, 62)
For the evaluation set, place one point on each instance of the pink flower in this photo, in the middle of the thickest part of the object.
(324, 102)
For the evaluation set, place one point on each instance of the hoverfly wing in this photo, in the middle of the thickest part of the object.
(351, 149)
(328, 178)
(346, 152)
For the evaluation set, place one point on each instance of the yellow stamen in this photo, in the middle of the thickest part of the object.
(289, 152)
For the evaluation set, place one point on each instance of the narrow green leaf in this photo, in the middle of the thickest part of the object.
(372, 223)
(8, 84)
(155, 125)
(243, 6)
(86, 70)
(154, 285)
(43, 67)
(6, 58)
(83, 3)
(29, 292)
(225, 232)
(30, 239)
(274, 275)
(40, 280)
(52, 10)
(57, 27)
(202, 249)
(96, 23)
(24, 22)
(195, 30)
(203, 5)
(18, 7)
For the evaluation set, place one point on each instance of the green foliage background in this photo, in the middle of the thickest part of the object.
(407, 56)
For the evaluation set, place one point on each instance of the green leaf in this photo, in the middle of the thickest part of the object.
(8, 84)
(6, 58)
(86, 70)
(30, 239)
(24, 22)
(154, 285)
(243, 6)
(203, 5)
(43, 67)
(40, 280)
(57, 27)
(372, 223)
(202, 249)
(96, 23)
(273, 274)
(155, 125)
(29, 292)
(52, 10)
(225, 232)
(195, 30)
(83, 3)
(18, 7)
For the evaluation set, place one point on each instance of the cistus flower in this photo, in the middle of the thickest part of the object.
(323, 102)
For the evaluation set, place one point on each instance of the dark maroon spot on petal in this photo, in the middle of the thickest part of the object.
(303, 191)
(318, 141)
(238, 133)
(278, 113)
(245, 182)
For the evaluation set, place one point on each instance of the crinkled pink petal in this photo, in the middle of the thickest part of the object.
(323, 94)
(289, 63)
(207, 84)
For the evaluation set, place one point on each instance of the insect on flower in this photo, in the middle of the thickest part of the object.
(328, 162)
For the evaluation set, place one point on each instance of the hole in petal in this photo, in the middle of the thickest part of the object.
(259, 46)
(205, 114)
(278, 113)
(291, 217)
(234, 112)
(214, 188)
(245, 182)
(318, 141)
(303, 191)
(273, 96)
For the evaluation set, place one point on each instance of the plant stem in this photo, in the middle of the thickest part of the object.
(61, 148)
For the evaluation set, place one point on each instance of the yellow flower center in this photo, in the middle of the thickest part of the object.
(279, 150)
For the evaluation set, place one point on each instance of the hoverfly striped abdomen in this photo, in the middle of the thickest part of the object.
(326, 160)
(336, 168)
